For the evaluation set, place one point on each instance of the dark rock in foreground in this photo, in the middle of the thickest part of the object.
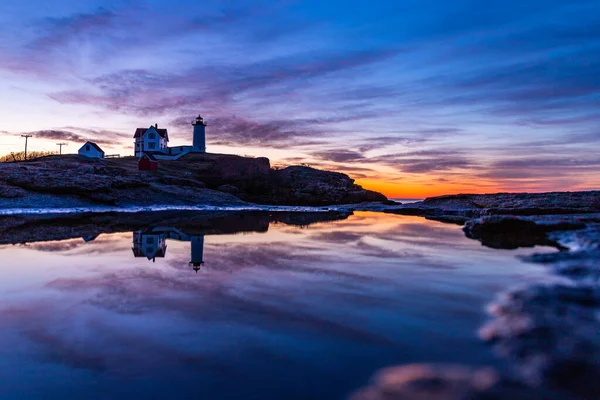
(550, 332)
(505, 232)
(445, 382)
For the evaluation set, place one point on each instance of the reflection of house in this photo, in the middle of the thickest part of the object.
(153, 243)
(91, 150)
(149, 245)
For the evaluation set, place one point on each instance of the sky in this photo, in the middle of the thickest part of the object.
(413, 98)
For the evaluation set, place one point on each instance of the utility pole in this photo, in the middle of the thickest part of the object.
(26, 137)
(60, 145)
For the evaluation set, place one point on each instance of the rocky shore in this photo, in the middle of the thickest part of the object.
(548, 330)
(463, 207)
(207, 179)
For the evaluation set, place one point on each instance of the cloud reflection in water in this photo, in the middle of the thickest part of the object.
(328, 304)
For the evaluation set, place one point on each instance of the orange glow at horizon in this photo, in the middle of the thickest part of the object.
(419, 190)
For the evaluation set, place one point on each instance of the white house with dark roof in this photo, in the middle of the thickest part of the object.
(91, 150)
(155, 141)
(151, 140)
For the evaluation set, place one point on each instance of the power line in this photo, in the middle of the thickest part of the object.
(26, 137)
(60, 145)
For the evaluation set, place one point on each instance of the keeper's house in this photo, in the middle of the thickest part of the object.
(91, 150)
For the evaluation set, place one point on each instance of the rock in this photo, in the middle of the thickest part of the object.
(11, 192)
(177, 182)
(551, 333)
(471, 206)
(507, 232)
(527, 203)
(228, 189)
(445, 382)
(548, 332)
(235, 167)
(308, 186)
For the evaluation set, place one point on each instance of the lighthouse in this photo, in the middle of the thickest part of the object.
(199, 135)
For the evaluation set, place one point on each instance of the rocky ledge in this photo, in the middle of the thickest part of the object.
(549, 330)
(463, 207)
(208, 179)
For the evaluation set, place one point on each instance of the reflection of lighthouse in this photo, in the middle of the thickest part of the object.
(197, 252)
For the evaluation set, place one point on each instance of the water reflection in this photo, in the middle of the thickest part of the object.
(37, 228)
(288, 307)
(153, 243)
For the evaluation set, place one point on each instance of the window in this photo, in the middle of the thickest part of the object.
(87, 148)
(152, 135)
(151, 145)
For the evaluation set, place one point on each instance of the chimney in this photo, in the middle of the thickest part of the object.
(156, 126)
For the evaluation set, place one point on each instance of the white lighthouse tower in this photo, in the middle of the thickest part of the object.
(199, 135)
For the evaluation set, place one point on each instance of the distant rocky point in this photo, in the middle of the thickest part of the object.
(460, 208)
(205, 179)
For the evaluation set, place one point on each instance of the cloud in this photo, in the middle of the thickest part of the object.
(57, 246)
(338, 155)
(99, 136)
(56, 32)
(237, 131)
(420, 166)
(425, 161)
(57, 135)
(144, 92)
(541, 167)
(49, 47)
(380, 142)
(548, 162)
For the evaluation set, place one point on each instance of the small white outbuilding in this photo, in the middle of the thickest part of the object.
(91, 150)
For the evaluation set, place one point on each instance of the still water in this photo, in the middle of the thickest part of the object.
(279, 310)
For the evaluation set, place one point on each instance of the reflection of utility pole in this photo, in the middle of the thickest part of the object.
(26, 137)
(60, 145)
